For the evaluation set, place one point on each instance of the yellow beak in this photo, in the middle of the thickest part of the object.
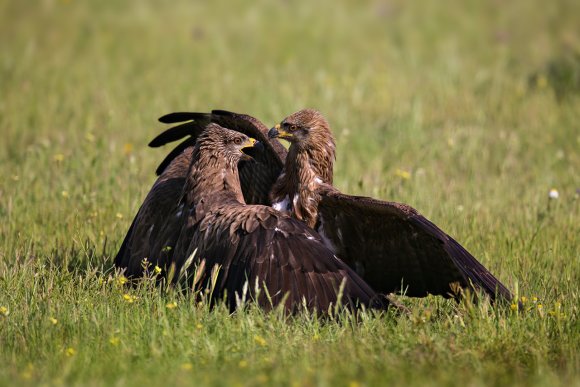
(245, 149)
(278, 132)
(249, 143)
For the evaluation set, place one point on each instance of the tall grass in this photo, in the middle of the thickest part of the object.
(466, 110)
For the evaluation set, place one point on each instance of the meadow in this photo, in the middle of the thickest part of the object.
(467, 110)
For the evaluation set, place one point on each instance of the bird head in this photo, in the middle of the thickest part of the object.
(302, 127)
(233, 146)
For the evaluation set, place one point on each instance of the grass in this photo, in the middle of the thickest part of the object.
(451, 107)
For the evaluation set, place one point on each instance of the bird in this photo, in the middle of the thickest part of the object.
(257, 177)
(238, 248)
(390, 245)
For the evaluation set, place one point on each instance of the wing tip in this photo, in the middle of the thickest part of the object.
(175, 117)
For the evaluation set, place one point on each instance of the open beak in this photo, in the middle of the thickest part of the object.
(251, 148)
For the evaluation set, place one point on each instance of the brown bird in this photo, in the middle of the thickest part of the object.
(254, 244)
(389, 244)
(257, 178)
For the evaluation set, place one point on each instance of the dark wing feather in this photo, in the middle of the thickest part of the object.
(395, 248)
(282, 261)
(173, 118)
(256, 177)
(176, 133)
(173, 154)
(160, 204)
(243, 123)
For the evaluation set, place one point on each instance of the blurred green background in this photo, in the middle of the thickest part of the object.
(467, 110)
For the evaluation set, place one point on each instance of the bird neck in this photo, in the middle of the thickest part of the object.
(313, 160)
(306, 169)
(211, 177)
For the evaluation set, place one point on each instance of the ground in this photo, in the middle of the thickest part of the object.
(466, 110)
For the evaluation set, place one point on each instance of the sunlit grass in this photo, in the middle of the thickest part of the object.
(466, 110)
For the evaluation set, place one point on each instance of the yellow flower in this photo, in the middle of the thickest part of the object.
(53, 321)
(157, 270)
(114, 341)
(405, 175)
(171, 305)
(514, 307)
(243, 364)
(70, 352)
(4, 311)
(59, 157)
(27, 372)
(127, 148)
(90, 137)
(199, 326)
(122, 280)
(535, 299)
(540, 306)
(541, 82)
(186, 366)
(354, 383)
(524, 299)
(64, 194)
(260, 341)
(119, 215)
(129, 298)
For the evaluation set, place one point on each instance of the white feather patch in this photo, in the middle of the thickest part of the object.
(180, 212)
(327, 242)
(295, 200)
(283, 205)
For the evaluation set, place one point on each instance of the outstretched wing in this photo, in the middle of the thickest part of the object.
(162, 201)
(256, 177)
(395, 248)
(280, 256)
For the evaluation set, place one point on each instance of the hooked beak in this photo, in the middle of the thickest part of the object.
(274, 133)
(251, 148)
(278, 132)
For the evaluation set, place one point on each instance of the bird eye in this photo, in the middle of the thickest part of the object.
(237, 141)
(293, 128)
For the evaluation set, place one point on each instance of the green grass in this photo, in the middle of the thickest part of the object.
(476, 100)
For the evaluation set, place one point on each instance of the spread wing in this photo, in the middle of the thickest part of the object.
(163, 199)
(395, 248)
(286, 260)
(256, 177)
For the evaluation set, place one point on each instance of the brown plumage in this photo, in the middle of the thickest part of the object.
(257, 178)
(251, 244)
(309, 164)
(163, 198)
(390, 245)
